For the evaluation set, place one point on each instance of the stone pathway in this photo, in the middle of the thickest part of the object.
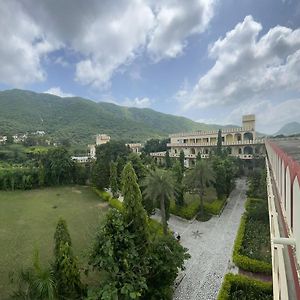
(210, 246)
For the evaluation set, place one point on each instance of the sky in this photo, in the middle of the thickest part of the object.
(209, 60)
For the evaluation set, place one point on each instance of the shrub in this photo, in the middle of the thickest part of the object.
(215, 207)
(115, 203)
(188, 211)
(242, 287)
(105, 196)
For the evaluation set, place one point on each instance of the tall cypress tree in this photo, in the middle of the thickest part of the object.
(168, 160)
(66, 270)
(113, 179)
(181, 159)
(219, 143)
(135, 214)
(179, 189)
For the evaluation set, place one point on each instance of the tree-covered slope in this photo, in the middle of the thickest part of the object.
(80, 119)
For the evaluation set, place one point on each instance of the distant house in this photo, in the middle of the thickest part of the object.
(81, 159)
(39, 132)
(19, 138)
(100, 140)
(135, 147)
(3, 139)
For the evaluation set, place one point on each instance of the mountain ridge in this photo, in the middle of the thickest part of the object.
(80, 119)
(289, 129)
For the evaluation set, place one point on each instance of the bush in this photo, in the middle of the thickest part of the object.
(242, 287)
(12, 178)
(105, 196)
(215, 207)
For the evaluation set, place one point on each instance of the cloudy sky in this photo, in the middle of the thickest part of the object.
(209, 60)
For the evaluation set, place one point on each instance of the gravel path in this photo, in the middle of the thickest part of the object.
(210, 246)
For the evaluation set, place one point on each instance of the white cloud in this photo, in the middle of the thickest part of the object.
(175, 21)
(270, 116)
(103, 36)
(22, 46)
(58, 92)
(136, 102)
(248, 67)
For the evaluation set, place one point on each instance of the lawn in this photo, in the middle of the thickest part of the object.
(28, 220)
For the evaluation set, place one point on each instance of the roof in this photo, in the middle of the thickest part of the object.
(290, 146)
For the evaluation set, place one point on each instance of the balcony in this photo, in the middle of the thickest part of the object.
(214, 144)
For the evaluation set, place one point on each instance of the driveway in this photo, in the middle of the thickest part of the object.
(210, 246)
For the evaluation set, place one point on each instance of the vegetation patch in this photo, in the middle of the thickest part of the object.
(188, 211)
(28, 220)
(241, 287)
(215, 207)
(252, 245)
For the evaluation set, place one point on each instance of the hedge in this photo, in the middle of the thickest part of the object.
(215, 207)
(244, 262)
(235, 285)
(115, 203)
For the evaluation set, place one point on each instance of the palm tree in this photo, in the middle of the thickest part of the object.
(36, 282)
(198, 178)
(159, 188)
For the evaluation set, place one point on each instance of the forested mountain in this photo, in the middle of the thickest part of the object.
(80, 119)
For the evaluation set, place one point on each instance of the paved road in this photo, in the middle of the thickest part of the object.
(210, 246)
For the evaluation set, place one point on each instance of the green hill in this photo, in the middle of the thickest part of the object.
(80, 119)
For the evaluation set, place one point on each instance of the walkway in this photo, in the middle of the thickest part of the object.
(210, 246)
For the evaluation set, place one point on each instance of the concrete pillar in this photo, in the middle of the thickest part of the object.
(296, 219)
(288, 195)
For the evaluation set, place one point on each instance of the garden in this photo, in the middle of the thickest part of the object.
(252, 247)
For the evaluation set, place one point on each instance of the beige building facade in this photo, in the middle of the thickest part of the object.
(100, 140)
(241, 142)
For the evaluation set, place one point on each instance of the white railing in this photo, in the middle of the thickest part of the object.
(208, 132)
(213, 144)
(280, 287)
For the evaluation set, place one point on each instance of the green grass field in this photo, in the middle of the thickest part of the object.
(28, 220)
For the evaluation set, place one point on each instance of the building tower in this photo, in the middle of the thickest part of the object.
(249, 122)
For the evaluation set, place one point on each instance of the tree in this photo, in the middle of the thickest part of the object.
(181, 159)
(198, 157)
(220, 176)
(168, 160)
(116, 256)
(198, 178)
(167, 258)
(155, 145)
(159, 187)
(111, 151)
(66, 271)
(58, 166)
(135, 215)
(113, 180)
(137, 165)
(179, 189)
(219, 143)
